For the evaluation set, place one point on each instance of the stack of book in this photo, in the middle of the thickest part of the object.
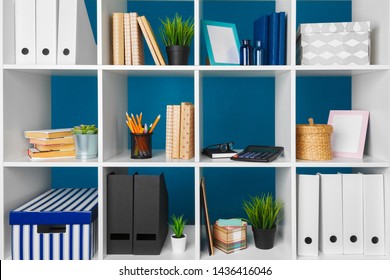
(127, 43)
(180, 131)
(230, 238)
(51, 143)
(271, 31)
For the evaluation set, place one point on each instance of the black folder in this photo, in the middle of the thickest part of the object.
(150, 214)
(120, 192)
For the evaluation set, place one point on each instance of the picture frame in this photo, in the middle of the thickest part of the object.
(206, 217)
(223, 45)
(349, 132)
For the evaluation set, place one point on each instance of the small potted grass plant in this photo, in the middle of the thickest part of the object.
(263, 213)
(177, 34)
(178, 238)
(86, 141)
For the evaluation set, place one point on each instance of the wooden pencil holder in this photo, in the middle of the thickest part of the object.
(314, 141)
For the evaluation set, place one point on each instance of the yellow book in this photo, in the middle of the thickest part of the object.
(169, 132)
(187, 150)
(56, 147)
(118, 48)
(35, 154)
(48, 133)
(176, 132)
(53, 141)
(148, 40)
(153, 41)
(127, 38)
(137, 45)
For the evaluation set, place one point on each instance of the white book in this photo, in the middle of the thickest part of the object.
(374, 214)
(308, 214)
(76, 43)
(46, 31)
(331, 217)
(25, 32)
(353, 214)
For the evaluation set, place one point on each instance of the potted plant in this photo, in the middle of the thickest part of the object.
(177, 35)
(263, 213)
(86, 141)
(178, 238)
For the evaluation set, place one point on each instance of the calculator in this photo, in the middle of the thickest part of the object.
(259, 153)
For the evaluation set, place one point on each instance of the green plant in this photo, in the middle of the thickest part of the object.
(177, 225)
(262, 211)
(176, 32)
(85, 129)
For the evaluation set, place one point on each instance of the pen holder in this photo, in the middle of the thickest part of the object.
(141, 145)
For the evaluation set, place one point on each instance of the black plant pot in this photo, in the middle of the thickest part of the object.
(264, 238)
(178, 55)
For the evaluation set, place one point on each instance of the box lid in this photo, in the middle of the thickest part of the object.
(58, 206)
(332, 27)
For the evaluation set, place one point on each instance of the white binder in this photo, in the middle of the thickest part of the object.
(308, 214)
(331, 218)
(46, 33)
(353, 213)
(25, 31)
(374, 214)
(76, 44)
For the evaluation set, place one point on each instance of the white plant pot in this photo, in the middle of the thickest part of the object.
(178, 244)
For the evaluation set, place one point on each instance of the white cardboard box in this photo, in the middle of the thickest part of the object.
(336, 43)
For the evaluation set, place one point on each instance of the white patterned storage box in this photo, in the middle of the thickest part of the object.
(60, 224)
(336, 43)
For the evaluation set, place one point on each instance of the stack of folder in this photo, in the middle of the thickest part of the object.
(52, 143)
(53, 32)
(341, 214)
(230, 238)
(180, 131)
(127, 42)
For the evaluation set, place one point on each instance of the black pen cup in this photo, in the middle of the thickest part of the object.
(141, 145)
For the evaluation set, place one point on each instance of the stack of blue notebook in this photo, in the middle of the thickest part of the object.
(271, 31)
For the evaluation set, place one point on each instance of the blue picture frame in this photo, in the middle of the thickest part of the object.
(223, 45)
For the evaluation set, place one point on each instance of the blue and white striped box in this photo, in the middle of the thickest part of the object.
(60, 224)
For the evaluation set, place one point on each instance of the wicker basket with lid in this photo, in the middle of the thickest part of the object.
(314, 141)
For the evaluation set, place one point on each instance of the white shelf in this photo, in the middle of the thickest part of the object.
(278, 252)
(58, 162)
(366, 161)
(158, 160)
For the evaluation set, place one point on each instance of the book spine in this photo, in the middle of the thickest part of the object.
(176, 132)
(273, 39)
(260, 33)
(137, 46)
(117, 40)
(169, 132)
(147, 39)
(282, 39)
(187, 131)
(127, 35)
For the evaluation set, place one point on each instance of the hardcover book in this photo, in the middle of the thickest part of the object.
(53, 141)
(216, 153)
(118, 39)
(35, 154)
(48, 133)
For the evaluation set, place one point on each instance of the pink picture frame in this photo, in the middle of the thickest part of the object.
(349, 132)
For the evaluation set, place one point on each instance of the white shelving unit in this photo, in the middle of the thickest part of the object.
(28, 86)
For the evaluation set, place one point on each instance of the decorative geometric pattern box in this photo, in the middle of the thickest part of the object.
(60, 224)
(336, 43)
